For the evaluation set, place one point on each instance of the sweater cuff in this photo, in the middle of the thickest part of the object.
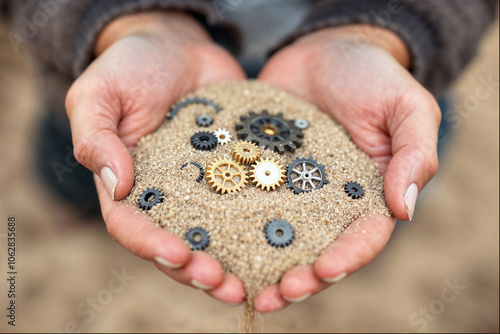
(413, 29)
(101, 12)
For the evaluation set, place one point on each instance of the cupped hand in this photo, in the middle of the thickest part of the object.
(359, 75)
(144, 63)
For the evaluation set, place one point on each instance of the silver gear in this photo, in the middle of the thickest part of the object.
(223, 136)
(304, 175)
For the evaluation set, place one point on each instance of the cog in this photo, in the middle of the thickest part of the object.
(198, 238)
(271, 131)
(267, 174)
(245, 152)
(226, 176)
(354, 189)
(223, 136)
(305, 175)
(204, 120)
(149, 198)
(279, 233)
(204, 141)
(175, 109)
(202, 172)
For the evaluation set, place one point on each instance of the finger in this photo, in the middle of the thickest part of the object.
(201, 272)
(139, 235)
(357, 246)
(414, 132)
(231, 291)
(299, 283)
(270, 300)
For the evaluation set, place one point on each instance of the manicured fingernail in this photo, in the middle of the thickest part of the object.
(410, 199)
(200, 286)
(110, 181)
(166, 263)
(335, 279)
(298, 299)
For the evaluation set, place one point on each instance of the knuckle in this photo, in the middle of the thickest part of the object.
(84, 148)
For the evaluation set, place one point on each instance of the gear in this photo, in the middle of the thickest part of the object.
(226, 176)
(301, 123)
(305, 175)
(245, 152)
(204, 141)
(354, 189)
(198, 238)
(175, 109)
(202, 172)
(267, 174)
(271, 131)
(149, 198)
(223, 136)
(204, 120)
(279, 233)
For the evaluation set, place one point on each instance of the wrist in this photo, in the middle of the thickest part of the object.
(162, 24)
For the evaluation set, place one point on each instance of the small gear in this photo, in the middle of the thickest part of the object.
(305, 175)
(271, 131)
(267, 174)
(354, 189)
(226, 176)
(246, 152)
(175, 109)
(223, 136)
(198, 238)
(204, 141)
(149, 198)
(200, 168)
(204, 120)
(279, 233)
(301, 123)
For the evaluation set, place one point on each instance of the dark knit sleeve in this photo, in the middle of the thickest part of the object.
(442, 36)
(61, 33)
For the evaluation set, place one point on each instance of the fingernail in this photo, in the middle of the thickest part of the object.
(298, 299)
(110, 181)
(200, 286)
(335, 279)
(166, 263)
(410, 199)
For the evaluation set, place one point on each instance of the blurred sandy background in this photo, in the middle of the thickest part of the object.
(65, 260)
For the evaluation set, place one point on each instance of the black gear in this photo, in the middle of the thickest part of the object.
(149, 198)
(175, 109)
(202, 172)
(279, 233)
(204, 120)
(271, 131)
(354, 189)
(303, 179)
(204, 141)
(198, 238)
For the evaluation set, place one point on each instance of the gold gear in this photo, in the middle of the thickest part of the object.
(226, 176)
(246, 152)
(267, 174)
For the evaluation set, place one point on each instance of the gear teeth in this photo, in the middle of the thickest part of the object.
(150, 197)
(202, 234)
(204, 141)
(218, 180)
(245, 152)
(304, 181)
(200, 168)
(175, 109)
(354, 190)
(263, 181)
(279, 240)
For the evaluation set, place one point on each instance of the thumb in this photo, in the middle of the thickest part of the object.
(98, 147)
(414, 132)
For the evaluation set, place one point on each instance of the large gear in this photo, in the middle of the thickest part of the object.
(245, 152)
(204, 141)
(223, 136)
(201, 174)
(305, 175)
(198, 238)
(267, 174)
(226, 176)
(354, 190)
(175, 109)
(279, 233)
(271, 131)
(149, 198)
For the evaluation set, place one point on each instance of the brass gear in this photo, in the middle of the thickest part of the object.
(246, 152)
(267, 174)
(226, 176)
